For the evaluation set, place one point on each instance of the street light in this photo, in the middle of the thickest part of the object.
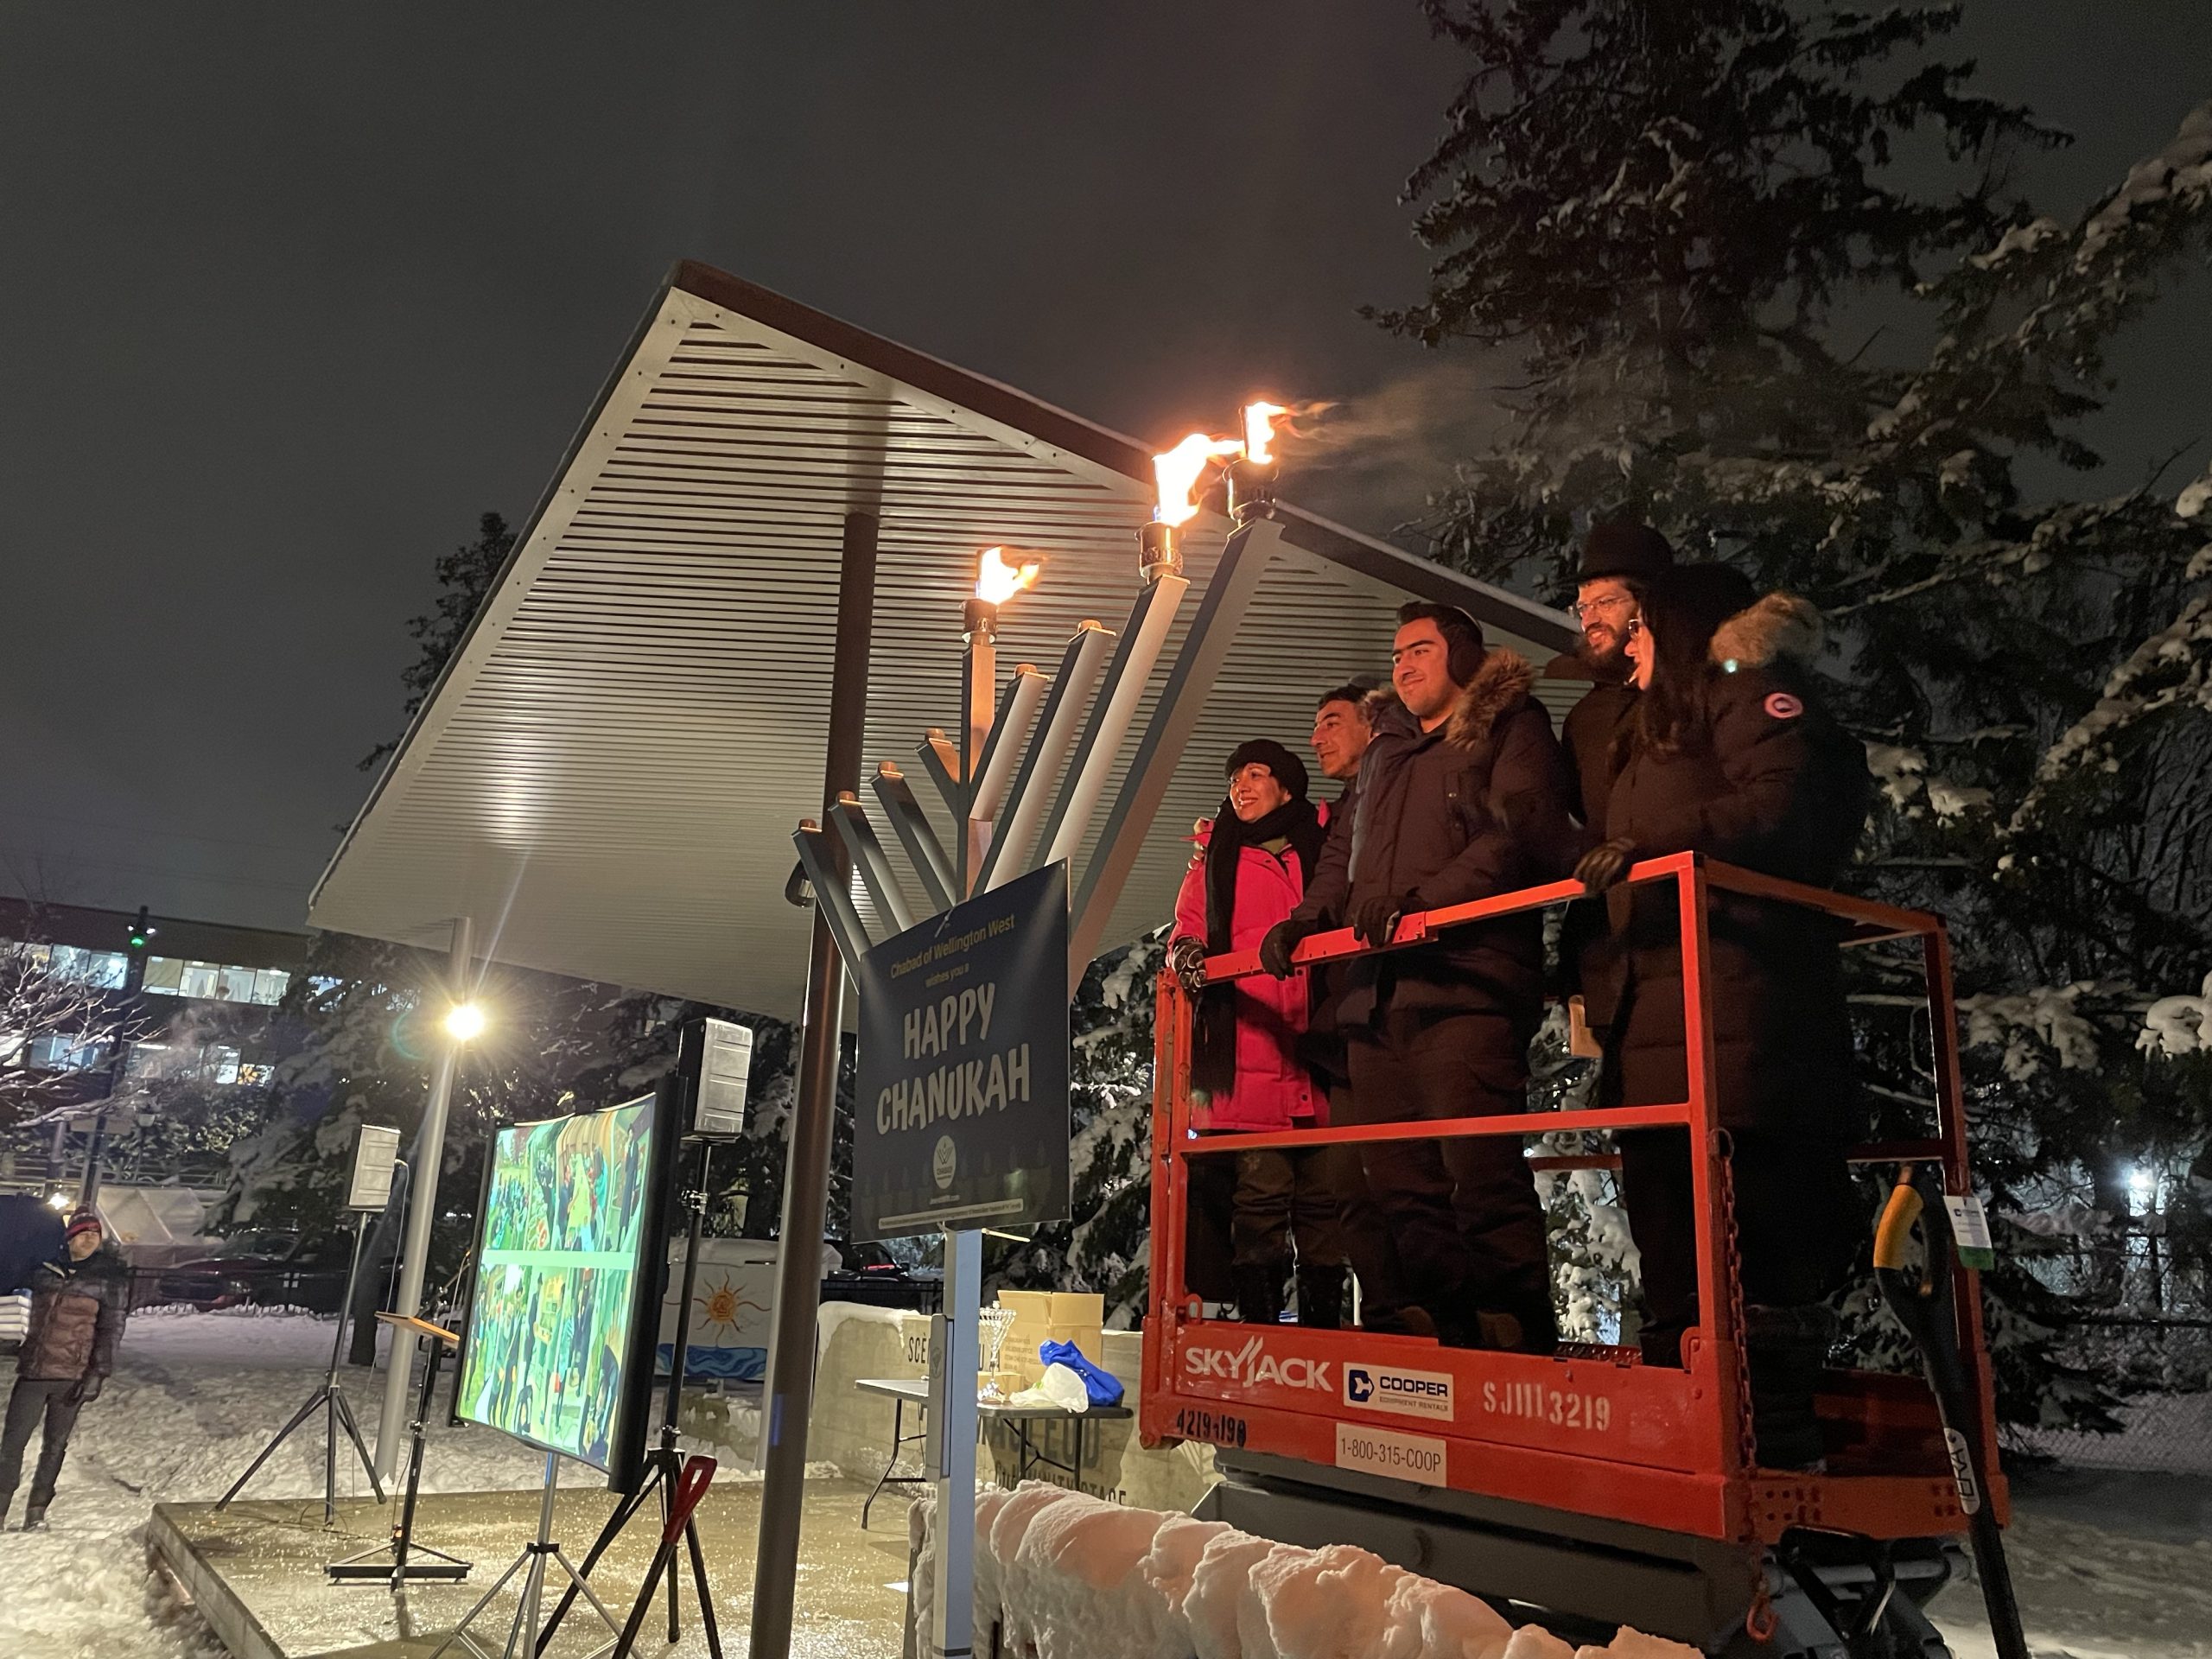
(464, 1022)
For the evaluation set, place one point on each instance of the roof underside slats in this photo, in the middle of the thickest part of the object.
(608, 777)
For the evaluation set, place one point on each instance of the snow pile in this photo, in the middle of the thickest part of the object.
(193, 1398)
(1067, 1576)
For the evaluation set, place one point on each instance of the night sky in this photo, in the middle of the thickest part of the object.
(290, 295)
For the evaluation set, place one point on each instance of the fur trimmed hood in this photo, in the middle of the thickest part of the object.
(1504, 680)
(1779, 627)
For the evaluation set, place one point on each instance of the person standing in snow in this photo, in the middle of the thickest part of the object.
(1732, 753)
(1246, 1071)
(80, 1299)
(1463, 795)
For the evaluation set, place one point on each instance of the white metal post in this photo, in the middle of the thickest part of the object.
(954, 1362)
(422, 1212)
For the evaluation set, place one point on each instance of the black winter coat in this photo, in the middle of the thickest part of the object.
(1591, 734)
(78, 1310)
(1475, 808)
(1773, 783)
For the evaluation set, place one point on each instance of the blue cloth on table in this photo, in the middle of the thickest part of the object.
(1102, 1386)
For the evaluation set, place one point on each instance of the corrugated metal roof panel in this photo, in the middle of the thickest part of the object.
(607, 775)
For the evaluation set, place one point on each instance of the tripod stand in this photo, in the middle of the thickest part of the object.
(663, 1465)
(370, 1566)
(332, 1399)
(525, 1637)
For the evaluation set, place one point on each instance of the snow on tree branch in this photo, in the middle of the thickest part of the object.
(2171, 670)
(2028, 1023)
(2174, 1026)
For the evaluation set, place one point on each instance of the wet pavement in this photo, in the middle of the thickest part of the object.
(256, 1572)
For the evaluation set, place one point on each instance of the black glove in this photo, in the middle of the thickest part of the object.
(1186, 960)
(1374, 920)
(1605, 863)
(86, 1390)
(1283, 939)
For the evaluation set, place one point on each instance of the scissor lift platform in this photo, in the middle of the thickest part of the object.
(1586, 1483)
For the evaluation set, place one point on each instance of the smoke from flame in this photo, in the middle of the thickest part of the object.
(1179, 470)
(996, 581)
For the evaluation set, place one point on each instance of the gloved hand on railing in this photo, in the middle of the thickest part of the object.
(1283, 939)
(1605, 863)
(1186, 960)
(1374, 920)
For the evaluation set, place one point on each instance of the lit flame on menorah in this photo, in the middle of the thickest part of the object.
(995, 771)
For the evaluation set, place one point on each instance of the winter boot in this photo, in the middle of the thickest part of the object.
(1786, 1349)
(1259, 1295)
(7, 1502)
(34, 1517)
(1321, 1298)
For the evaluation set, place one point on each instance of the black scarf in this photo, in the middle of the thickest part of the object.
(1213, 1059)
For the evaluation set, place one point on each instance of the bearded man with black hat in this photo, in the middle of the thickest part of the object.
(1619, 563)
(78, 1302)
(1248, 1072)
(1463, 795)
(1620, 560)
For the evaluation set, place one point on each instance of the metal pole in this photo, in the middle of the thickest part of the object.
(421, 1211)
(345, 1303)
(134, 984)
(951, 1446)
(790, 1393)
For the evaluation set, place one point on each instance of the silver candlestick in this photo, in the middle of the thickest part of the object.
(994, 1325)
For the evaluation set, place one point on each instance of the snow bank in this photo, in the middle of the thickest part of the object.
(1068, 1576)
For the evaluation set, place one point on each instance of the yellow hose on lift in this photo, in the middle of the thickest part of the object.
(1895, 1230)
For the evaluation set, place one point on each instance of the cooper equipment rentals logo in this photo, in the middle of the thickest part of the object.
(1409, 1394)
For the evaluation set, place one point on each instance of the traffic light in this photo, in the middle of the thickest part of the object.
(141, 932)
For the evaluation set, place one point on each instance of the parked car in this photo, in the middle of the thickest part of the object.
(262, 1266)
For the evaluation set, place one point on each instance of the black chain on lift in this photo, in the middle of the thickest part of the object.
(1760, 1620)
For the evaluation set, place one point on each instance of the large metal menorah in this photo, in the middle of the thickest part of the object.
(997, 782)
(1029, 768)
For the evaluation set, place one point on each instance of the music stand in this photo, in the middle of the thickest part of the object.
(365, 1569)
(663, 1466)
(330, 1398)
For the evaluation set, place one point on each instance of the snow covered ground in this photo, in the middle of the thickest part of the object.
(193, 1398)
(2108, 1563)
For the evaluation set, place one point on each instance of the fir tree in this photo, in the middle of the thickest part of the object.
(1671, 217)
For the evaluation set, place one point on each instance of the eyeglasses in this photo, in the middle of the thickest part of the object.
(1635, 628)
(1586, 609)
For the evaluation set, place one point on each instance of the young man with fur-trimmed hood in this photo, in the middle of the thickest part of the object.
(1463, 794)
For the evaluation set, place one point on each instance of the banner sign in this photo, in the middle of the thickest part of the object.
(961, 1118)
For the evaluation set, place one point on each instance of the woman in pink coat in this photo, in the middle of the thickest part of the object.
(1247, 1072)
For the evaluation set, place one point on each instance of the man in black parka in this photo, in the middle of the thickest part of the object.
(1463, 795)
(80, 1300)
(1619, 563)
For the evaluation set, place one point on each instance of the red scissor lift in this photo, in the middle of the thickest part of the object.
(1587, 1483)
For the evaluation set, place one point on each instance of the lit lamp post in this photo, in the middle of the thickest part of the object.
(463, 1022)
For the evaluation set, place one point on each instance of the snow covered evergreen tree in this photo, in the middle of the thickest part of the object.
(1689, 230)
